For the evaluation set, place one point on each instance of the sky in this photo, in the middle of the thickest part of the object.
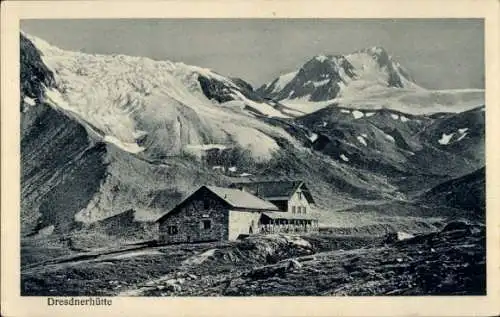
(438, 53)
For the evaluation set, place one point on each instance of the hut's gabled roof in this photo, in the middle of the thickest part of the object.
(233, 197)
(275, 190)
(240, 199)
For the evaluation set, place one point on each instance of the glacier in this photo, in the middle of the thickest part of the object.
(128, 100)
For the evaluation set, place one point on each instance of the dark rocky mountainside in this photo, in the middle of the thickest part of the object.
(412, 150)
(467, 193)
(34, 73)
(61, 169)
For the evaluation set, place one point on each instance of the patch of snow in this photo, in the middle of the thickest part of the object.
(29, 101)
(445, 138)
(130, 147)
(462, 131)
(376, 49)
(313, 137)
(361, 140)
(260, 144)
(233, 103)
(199, 258)
(357, 114)
(206, 147)
(245, 174)
(364, 135)
(404, 119)
(44, 232)
(304, 105)
(219, 168)
(394, 116)
(321, 58)
(54, 98)
(292, 112)
(345, 111)
(261, 107)
(369, 91)
(320, 83)
(298, 242)
(139, 134)
(389, 137)
(403, 235)
(369, 114)
(232, 169)
(462, 136)
(344, 158)
(283, 80)
(324, 124)
(131, 254)
(367, 68)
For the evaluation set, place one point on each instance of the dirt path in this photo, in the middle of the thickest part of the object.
(99, 255)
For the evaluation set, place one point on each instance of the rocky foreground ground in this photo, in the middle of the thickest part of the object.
(451, 261)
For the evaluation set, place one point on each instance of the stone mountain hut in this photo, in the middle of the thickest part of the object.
(217, 213)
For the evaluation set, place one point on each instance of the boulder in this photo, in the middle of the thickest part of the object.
(294, 265)
(171, 286)
(398, 236)
(456, 225)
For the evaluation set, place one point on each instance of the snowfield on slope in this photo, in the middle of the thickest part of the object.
(129, 99)
(404, 100)
(282, 81)
(368, 69)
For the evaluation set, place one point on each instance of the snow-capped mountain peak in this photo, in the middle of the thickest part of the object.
(325, 77)
(369, 78)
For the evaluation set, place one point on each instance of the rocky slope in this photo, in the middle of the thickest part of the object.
(467, 193)
(410, 150)
(450, 261)
(61, 168)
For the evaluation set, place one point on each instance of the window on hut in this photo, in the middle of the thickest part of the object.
(206, 224)
(172, 230)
